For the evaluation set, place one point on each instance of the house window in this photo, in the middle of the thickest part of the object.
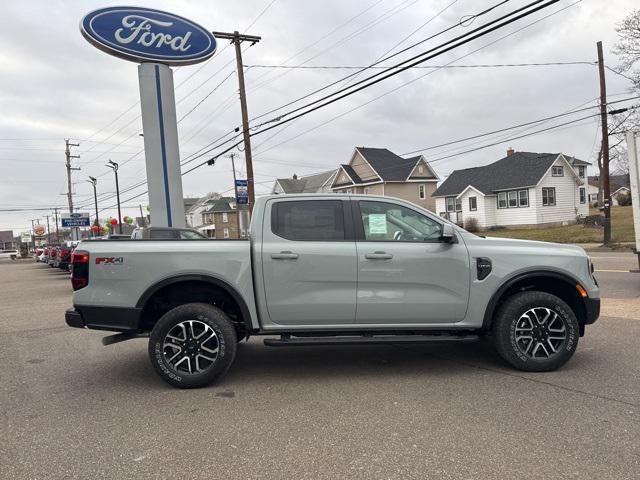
(366, 190)
(583, 195)
(225, 218)
(557, 171)
(581, 171)
(422, 192)
(451, 204)
(420, 169)
(226, 233)
(502, 200)
(548, 197)
(473, 204)
(513, 199)
(523, 198)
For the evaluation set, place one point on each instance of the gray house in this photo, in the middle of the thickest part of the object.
(318, 183)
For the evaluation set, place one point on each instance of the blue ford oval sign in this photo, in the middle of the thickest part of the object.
(147, 35)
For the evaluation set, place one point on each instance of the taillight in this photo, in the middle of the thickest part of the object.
(79, 269)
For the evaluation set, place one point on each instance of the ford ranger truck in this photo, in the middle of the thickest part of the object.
(334, 269)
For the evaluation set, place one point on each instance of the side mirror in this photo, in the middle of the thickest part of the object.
(448, 234)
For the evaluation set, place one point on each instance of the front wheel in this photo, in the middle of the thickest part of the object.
(535, 331)
(192, 345)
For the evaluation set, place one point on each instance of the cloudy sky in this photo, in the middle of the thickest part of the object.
(55, 85)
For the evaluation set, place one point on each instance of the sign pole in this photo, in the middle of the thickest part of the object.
(634, 180)
(162, 156)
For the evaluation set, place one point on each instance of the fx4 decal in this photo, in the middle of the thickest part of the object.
(109, 260)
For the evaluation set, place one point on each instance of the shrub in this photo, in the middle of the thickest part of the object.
(471, 225)
(623, 199)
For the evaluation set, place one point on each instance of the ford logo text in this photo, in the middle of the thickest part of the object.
(147, 35)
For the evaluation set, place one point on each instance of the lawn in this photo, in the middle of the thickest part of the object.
(621, 221)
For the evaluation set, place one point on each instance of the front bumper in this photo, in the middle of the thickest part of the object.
(592, 310)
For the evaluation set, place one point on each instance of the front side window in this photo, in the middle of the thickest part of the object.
(583, 195)
(421, 192)
(473, 203)
(502, 200)
(388, 222)
(557, 171)
(310, 220)
(513, 199)
(548, 197)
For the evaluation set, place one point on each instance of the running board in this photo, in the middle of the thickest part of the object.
(121, 337)
(286, 341)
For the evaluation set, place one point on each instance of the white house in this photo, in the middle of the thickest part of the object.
(618, 185)
(522, 189)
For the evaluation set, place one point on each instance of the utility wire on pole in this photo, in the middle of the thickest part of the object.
(236, 38)
(605, 147)
(48, 231)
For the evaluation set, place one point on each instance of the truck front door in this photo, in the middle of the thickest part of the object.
(406, 274)
(309, 262)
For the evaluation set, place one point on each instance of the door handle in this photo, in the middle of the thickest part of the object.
(284, 255)
(378, 256)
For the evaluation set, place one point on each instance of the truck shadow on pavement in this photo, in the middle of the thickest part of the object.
(257, 364)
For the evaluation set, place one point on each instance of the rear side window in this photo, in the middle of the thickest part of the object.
(319, 220)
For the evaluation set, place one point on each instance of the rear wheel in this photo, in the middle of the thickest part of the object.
(192, 345)
(535, 331)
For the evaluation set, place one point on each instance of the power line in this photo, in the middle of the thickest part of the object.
(365, 67)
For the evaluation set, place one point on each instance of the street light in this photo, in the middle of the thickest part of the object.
(93, 181)
(114, 166)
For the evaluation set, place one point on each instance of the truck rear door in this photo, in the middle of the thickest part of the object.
(309, 262)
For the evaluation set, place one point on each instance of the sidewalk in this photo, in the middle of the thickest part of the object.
(598, 247)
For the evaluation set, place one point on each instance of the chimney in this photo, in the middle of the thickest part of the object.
(510, 151)
(295, 177)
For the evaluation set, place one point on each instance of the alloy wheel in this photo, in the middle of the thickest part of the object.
(540, 333)
(191, 347)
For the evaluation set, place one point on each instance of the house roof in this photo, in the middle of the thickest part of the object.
(221, 205)
(576, 161)
(308, 184)
(520, 169)
(389, 166)
(616, 182)
(352, 174)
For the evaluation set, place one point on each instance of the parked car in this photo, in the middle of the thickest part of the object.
(167, 233)
(343, 270)
(53, 255)
(64, 256)
(38, 254)
(9, 254)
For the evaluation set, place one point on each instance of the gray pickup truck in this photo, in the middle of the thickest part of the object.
(327, 269)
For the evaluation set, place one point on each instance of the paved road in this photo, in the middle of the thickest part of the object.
(72, 408)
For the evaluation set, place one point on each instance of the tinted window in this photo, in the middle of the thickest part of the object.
(390, 222)
(319, 220)
(163, 234)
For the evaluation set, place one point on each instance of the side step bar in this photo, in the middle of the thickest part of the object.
(288, 341)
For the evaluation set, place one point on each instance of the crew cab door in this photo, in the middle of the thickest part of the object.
(309, 262)
(406, 273)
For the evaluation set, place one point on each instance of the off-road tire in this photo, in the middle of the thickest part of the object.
(506, 327)
(208, 315)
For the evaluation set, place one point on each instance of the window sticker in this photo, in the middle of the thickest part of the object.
(378, 223)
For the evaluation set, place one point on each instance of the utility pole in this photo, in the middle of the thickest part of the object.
(605, 148)
(236, 38)
(57, 231)
(142, 217)
(67, 153)
(114, 166)
(94, 181)
(233, 166)
(48, 231)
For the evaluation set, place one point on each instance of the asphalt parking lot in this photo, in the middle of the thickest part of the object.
(72, 408)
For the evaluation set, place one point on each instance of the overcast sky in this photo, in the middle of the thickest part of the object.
(55, 85)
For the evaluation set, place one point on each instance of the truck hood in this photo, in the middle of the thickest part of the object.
(533, 244)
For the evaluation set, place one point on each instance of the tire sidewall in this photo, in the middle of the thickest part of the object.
(505, 327)
(214, 318)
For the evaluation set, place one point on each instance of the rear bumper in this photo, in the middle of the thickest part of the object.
(115, 319)
(592, 310)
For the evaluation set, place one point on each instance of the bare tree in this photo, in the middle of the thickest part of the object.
(628, 47)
